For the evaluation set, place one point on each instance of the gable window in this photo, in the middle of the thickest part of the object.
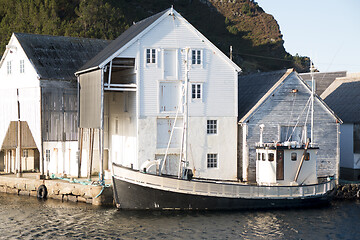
(22, 66)
(212, 160)
(150, 55)
(196, 91)
(8, 67)
(196, 57)
(211, 126)
(292, 133)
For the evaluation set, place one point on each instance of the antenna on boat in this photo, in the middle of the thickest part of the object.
(312, 100)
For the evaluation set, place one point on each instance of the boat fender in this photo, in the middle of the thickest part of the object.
(42, 192)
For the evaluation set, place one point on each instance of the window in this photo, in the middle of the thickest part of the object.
(271, 157)
(196, 91)
(8, 67)
(196, 57)
(259, 156)
(47, 155)
(293, 156)
(292, 133)
(150, 55)
(22, 66)
(307, 156)
(211, 126)
(212, 160)
(263, 156)
(25, 153)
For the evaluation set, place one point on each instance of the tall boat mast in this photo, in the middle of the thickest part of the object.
(312, 101)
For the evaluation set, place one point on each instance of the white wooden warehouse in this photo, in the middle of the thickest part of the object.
(132, 92)
(38, 70)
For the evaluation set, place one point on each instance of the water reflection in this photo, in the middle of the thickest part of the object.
(26, 218)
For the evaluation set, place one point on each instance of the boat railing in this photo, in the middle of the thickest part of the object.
(231, 190)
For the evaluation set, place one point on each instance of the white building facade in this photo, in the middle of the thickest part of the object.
(143, 81)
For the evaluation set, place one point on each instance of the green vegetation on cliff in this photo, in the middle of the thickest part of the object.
(255, 36)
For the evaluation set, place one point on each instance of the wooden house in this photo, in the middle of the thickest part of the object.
(275, 107)
(133, 91)
(38, 90)
(344, 98)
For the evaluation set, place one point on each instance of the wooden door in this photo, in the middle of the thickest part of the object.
(280, 165)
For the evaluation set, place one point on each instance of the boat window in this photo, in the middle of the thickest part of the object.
(259, 156)
(271, 157)
(293, 156)
(263, 156)
(307, 156)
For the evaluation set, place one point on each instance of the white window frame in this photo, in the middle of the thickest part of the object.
(211, 126)
(8, 67)
(212, 160)
(153, 57)
(22, 66)
(198, 60)
(197, 96)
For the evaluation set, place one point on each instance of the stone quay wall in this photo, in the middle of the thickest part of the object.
(56, 189)
(347, 191)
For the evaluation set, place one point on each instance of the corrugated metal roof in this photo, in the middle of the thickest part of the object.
(252, 87)
(121, 41)
(322, 79)
(58, 57)
(345, 101)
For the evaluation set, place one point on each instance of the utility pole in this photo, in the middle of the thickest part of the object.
(18, 146)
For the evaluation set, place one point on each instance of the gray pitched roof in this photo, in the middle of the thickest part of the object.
(322, 79)
(121, 41)
(252, 87)
(345, 101)
(57, 57)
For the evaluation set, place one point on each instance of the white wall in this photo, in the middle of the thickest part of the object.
(63, 158)
(29, 92)
(219, 97)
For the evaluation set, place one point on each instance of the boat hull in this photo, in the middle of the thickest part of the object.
(130, 195)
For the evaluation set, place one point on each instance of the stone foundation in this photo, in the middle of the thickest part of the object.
(347, 191)
(60, 190)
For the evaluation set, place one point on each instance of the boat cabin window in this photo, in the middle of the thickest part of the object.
(263, 156)
(271, 157)
(307, 156)
(293, 156)
(259, 156)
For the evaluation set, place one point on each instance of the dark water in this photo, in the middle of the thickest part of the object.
(27, 218)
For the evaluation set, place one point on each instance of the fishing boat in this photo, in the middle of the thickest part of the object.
(150, 187)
